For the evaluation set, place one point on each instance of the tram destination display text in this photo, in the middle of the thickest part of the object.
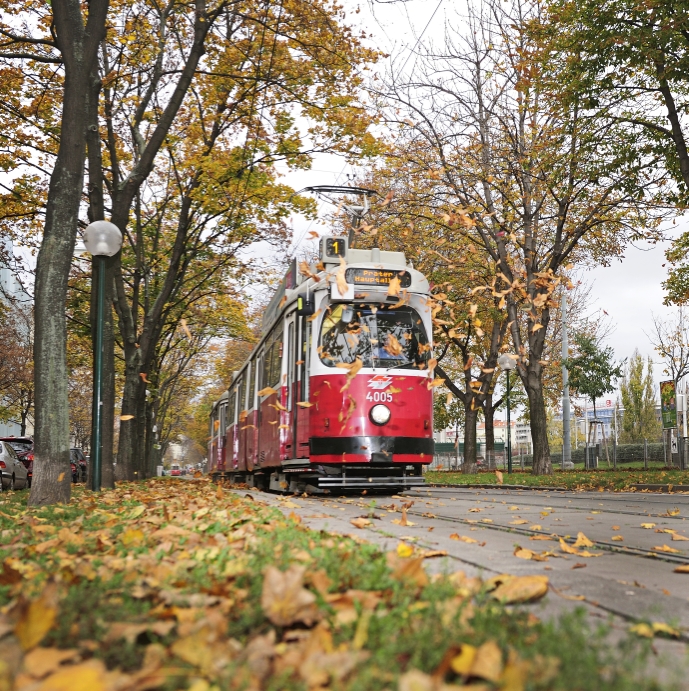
(377, 277)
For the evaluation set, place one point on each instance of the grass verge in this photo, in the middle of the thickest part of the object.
(620, 480)
(179, 585)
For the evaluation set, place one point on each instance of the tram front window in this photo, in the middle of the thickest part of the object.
(378, 335)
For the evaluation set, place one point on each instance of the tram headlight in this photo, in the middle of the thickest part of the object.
(380, 414)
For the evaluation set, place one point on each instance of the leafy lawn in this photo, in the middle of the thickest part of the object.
(181, 585)
(601, 479)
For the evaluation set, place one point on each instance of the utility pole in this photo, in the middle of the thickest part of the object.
(566, 432)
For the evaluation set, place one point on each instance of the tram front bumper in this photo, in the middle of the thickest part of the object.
(352, 482)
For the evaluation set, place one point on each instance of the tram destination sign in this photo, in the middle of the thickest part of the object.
(377, 277)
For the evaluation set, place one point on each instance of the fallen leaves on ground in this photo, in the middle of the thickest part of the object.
(666, 548)
(360, 522)
(650, 630)
(516, 589)
(572, 550)
(468, 540)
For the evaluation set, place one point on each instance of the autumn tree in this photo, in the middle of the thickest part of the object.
(670, 338)
(637, 390)
(531, 181)
(60, 39)
(16, 363)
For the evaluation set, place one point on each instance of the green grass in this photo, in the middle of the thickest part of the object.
(602, 478)
(210, 582)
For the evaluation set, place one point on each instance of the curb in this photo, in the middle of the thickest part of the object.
(662, 488)
(495, 486)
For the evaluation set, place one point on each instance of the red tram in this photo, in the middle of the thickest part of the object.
(336, 396)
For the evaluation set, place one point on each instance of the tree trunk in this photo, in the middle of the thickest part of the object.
(539, 425)
(51, 480)
(470, 418)
(127, 466)
(488, 416)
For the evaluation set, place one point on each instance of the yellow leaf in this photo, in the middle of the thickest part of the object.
(521, 589)
(678, 538)
(535, 527)
(137, 511)
(360, 522)
(648, 526)
(666, 548)
(617, 538)
(304, 404)
(582, 541)
(132, 538)
(616, 527)
(643, 630)
(498, 476)
(36, 620)
(394, 287)
(268, 391)
(124, 418)
(60, 477)
(673, 512)
(87, 676)
(682, 569)
(518, 521)
(660, 627)
(461, 664)
(194, 649)
(404, 550)
(409, 569)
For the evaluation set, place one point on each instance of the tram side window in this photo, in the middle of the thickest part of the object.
(231, 408)
(242, 393)
(252, 385)
(272, 359)
(222, 412)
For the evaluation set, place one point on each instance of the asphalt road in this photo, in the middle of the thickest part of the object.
(631, 579)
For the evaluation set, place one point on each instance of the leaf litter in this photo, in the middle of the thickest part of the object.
(169, 584)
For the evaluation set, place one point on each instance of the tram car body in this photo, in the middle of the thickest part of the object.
(336, 395)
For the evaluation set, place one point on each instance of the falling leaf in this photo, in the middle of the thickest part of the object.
(391, 193)
(648, 526)
(360, 522)
(521, 589)
(393, 346)
(304, 404)
(143, 377)
(666, 548)
(284, 599)
(342, 286)
(582, 541)
(60, 477)
(268, 391)
(498, 476)
(185, 328)
(124, 418)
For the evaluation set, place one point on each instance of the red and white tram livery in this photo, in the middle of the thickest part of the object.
(337, 393)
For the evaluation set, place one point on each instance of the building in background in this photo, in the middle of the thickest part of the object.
(11, 290)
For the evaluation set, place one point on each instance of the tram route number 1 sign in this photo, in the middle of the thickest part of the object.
(668, 404)
(376, 277)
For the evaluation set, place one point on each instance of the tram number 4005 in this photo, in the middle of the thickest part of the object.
(379, 397)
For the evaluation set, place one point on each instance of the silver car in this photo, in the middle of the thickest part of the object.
(13, 472)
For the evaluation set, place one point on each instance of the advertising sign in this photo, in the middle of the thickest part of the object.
(668, 404)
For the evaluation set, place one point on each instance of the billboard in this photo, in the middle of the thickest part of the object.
(668, 404)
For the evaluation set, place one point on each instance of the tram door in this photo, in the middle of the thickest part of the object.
(289, 376)
(302, 369)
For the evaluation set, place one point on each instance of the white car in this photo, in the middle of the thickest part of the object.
(13, 471)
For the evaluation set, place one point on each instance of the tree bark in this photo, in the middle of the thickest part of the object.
(78, 45)
(488, 415)
(470, 417)
(539, 423)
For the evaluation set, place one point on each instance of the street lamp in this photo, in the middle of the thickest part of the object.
(508, 363)
(102, 239)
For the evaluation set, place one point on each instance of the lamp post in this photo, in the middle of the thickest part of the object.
(508, 363)
(102, 239)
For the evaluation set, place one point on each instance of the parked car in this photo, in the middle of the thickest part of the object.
(24, 449)
(79, 467)
(12, 471)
